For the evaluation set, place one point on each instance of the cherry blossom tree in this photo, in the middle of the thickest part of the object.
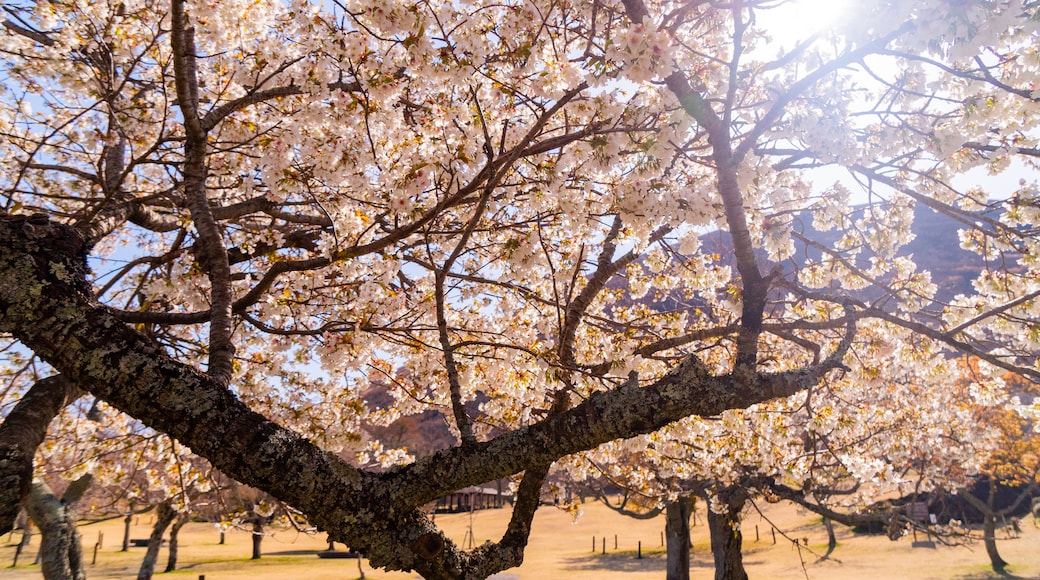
(1014, 466)
(121, 465)
(839, 448)
(228, 219)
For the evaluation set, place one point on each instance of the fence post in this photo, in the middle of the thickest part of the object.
(639, 551)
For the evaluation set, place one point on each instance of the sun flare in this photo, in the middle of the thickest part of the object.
(799, 19)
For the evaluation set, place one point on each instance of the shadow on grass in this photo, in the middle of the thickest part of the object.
(293, 553)
(617, 562)
(282, 557)
(991, 575)
(654, 561)
(626, 561)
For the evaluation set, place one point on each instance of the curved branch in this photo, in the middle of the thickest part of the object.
(242, 208)
(687, 390)
(621, 510)
(891, 519)
(33, 35)
(750, 140)
(21, 433)
(509, 551)
(949, 340)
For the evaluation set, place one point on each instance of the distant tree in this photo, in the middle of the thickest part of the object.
(174, 547)
(256, 517)
(251, 510)
(1014, 465)
(634, 502)
(165, 514)
(61, 555)
(495, 211)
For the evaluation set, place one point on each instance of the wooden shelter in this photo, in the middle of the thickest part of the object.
(472, 498)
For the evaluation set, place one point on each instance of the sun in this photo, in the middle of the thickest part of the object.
(796, 20)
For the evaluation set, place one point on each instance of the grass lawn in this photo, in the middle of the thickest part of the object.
(559, 547)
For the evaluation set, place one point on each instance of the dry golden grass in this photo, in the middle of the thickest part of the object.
(560, 548)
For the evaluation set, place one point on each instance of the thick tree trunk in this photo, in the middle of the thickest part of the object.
(171, 561)
(60, 548)
(726, 539)
(258, 536)
(21, 433)
(677, 536)
(126, 530)
(989, 521)
(832, 540)
(164, 516)
(989, 531)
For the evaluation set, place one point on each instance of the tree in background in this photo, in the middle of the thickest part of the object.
(283, 203)
(165, 514)
(1014, 465)
(877, 431)
(677, 500)
(61, 553)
